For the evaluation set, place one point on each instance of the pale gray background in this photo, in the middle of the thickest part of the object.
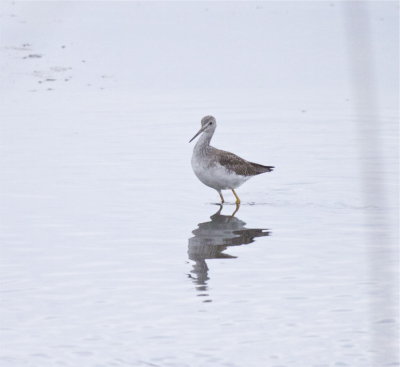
(98, 201)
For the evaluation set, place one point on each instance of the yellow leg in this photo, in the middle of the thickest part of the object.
(237, 197)
(236, 210)
(222, 198)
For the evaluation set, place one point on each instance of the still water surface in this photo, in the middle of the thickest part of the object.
(113, 254)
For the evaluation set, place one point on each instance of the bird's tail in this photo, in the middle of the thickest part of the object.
(262, 169)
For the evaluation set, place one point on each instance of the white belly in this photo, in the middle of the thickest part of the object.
(216, 176)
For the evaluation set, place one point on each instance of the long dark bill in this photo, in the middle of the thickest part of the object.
(198, 133)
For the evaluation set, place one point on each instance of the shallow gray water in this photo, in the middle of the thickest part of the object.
(113, 254)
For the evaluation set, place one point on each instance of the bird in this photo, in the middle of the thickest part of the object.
(217, 168)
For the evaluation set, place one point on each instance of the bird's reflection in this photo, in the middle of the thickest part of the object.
(210, 241)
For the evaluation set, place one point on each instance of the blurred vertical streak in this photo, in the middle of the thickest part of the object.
(381, 223)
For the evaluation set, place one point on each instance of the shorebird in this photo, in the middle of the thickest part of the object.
(219, 169)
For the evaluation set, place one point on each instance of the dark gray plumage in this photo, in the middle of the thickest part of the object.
(239, 165)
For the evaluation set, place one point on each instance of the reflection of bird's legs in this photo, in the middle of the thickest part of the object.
(236, 210)
(222, 198)
(237, 197)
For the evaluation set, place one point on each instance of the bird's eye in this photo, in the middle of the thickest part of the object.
(210, 123)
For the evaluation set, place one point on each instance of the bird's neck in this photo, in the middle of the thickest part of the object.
(204, 141)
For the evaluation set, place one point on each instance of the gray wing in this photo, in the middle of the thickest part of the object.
(239, 165)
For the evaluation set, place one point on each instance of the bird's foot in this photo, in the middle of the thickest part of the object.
(237, 197)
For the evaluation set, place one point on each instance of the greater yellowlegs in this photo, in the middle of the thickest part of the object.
(219, 169)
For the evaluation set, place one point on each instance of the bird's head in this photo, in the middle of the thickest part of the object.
(208, 125)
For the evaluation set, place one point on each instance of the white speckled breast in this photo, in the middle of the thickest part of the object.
(212, 174)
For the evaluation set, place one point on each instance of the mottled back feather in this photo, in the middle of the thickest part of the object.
(239, 165)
